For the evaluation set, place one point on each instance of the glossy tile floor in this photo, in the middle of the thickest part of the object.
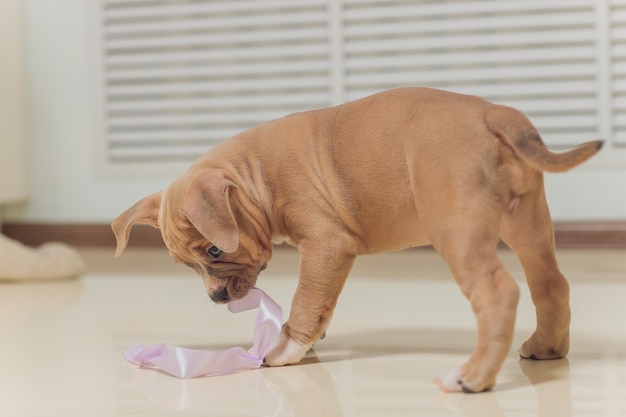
(400, 322)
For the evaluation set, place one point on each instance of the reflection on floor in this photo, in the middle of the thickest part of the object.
(400, 322)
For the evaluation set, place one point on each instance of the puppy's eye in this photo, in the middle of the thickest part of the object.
(214, 251)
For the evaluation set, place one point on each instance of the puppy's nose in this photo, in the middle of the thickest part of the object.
(220, 296)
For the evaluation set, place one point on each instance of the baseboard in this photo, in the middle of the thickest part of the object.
(80, 235)
(592, 235)
(589, 235)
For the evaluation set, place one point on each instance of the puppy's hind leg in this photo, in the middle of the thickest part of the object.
(468, 242)
(527, 230)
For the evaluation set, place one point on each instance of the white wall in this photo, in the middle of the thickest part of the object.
(63, 127)
(12, 103)
(63, 185)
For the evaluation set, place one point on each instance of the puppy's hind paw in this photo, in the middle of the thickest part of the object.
(533, 348)
(286, 351)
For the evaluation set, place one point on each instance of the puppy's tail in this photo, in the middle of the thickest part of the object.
(514, 129)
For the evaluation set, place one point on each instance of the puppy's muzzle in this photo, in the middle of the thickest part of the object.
(235, 289)
(220, 296)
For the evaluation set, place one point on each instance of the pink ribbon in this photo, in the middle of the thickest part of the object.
(190, 363)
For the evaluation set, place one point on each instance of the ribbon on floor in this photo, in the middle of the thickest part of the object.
(191, 363)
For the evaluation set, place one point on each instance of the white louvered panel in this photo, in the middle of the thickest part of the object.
(182, 76)
(618, 41)
(537, 55)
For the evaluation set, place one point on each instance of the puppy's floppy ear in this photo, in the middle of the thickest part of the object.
(207, 206)
(145, 211)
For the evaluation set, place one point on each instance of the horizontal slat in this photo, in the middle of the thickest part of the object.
(620, 119)
(618, 16)
(222, 86)
(161, 152)
(440, 27)
(619, 68)
(285, 35)
(530, 56)
(162, 28)
(309, 99)
(619, 102)
(619, 50)
(510, 40)
(381, 10)
(205, 7)
(174, 57)
(242, 69)
(124, 3)
(502, 91)
(182, 135)
(619, 33)
(487, 73)
(569, 122)
(200, 119)
(619, 85)
(574, 105)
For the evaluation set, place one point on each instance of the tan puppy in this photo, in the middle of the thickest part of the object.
(398, 169)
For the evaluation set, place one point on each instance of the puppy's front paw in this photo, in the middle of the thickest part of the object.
(451, 381)
(456, 380)
(286, 351)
